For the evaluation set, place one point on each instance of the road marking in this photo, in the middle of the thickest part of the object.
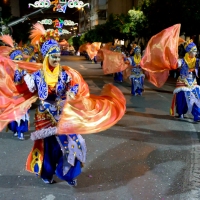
(82, 67)
(49, 197)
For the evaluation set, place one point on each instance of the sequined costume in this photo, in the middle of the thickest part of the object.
(56, 148)
(66, 109)
(187, 92)
(137, 76)
(62, 154)
(21, 125)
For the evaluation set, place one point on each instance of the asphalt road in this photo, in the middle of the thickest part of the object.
(148, 155)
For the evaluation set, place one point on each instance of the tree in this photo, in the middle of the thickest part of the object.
(107, 32)
(162, 14)
(135, 24)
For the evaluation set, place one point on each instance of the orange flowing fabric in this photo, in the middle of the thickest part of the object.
(113, 62)
(83, 47)
(93, 49)
(13, 104)
(84, 114)
(5, 50)
(161, 55)
(63, 43)
(83, 90)
(93, 113)
(107, 46)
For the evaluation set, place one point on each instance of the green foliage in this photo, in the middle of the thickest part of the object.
(70, 40)
(107, 32)
(118, 27)
(76, 42)
(135, 23)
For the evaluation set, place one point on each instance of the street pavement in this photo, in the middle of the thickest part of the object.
(147, 155)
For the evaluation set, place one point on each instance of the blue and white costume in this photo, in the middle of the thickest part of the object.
(137, 76)
(187, 92)
(62, 155)
(20, 126)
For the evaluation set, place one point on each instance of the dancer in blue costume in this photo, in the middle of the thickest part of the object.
(62, 155)
(137, 76)
(187, 92)
(118, 76)
(20, 126)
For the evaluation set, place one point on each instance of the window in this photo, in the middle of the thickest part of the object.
(102, 15)
(102, 2)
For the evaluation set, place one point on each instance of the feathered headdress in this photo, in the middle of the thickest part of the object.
(15, 52)
(48, 41)
(190, 46)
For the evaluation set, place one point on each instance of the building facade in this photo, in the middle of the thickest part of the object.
(101, 9)
(15, 9)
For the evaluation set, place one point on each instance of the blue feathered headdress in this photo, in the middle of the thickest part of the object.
(190, 46)
(50, 46)
(16, 55)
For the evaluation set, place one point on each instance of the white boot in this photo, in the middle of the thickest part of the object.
(15, 134)
(21, 136)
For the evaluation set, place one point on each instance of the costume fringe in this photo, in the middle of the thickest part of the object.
(43, 133)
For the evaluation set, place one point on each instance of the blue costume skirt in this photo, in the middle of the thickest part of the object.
(118, 77)
(181, 103)
(53, 161)
(137, 90)
(182, 107)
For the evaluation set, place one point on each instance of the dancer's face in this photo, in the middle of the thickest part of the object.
(137, 53)
(19, 57)
(54, 59)
(192, 54)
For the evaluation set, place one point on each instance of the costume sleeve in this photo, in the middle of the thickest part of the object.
(179, 63)
(30, 82)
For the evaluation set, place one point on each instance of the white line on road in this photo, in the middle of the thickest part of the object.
(49, 197)
(82, 67)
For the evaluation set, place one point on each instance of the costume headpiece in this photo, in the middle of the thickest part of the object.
(26, 51)
(31, 48)
(118, 49)
(190, 46)
(48, 41)
(137, 49)
(15, 53)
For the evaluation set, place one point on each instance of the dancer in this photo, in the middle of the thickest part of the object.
(51, 155)
(29, 51)
(137, 76)
(20, 126)
(63, 94)
(66, 109)
(187, 92)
